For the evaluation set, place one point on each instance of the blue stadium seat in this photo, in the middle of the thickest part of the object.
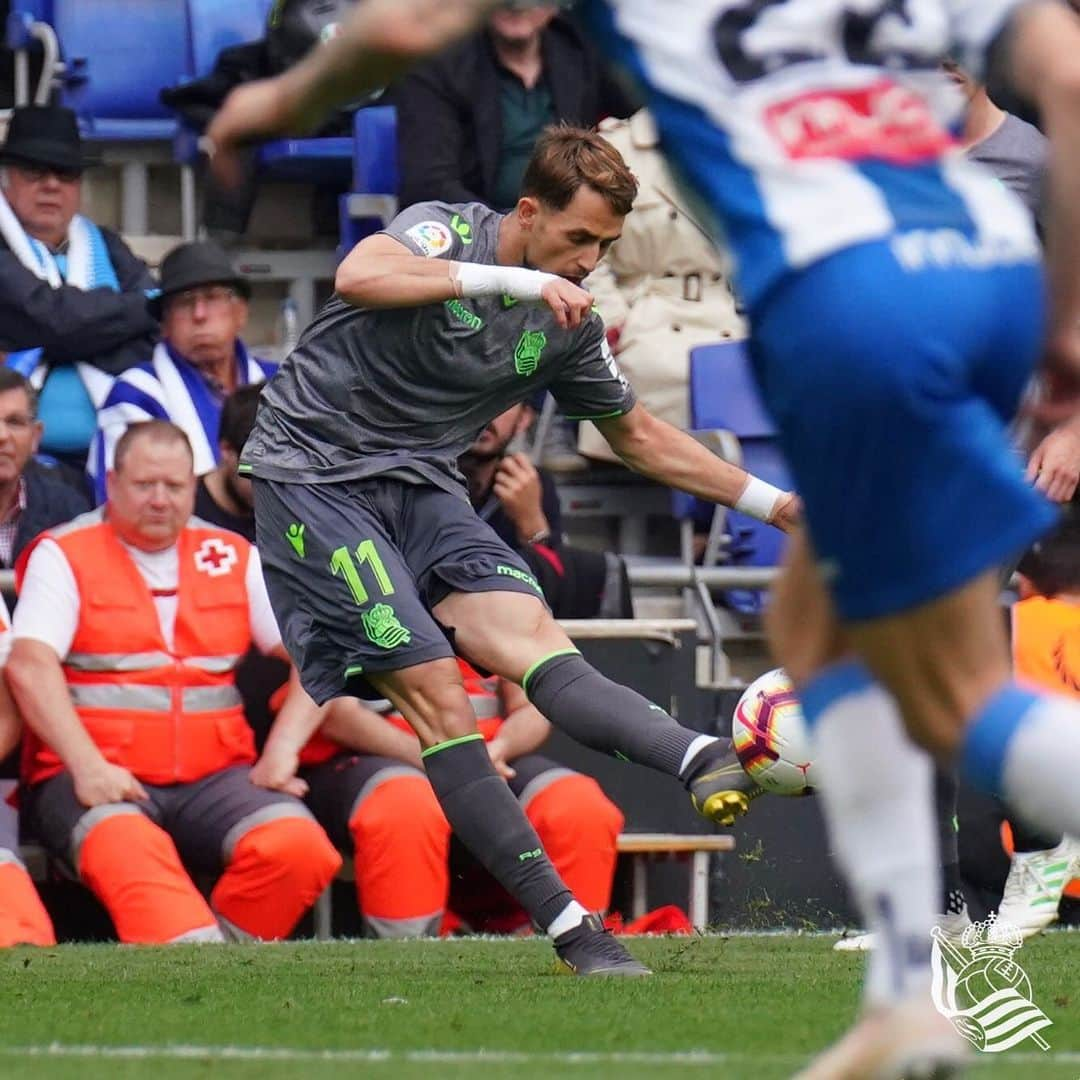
(217, 24)
(373, 199)
(723, 396)
(119, 55)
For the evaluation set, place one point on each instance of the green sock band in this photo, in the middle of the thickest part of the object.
(543, 660)
(451, 742)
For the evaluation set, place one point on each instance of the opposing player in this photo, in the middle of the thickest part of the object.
(897, 310)
(377, 565)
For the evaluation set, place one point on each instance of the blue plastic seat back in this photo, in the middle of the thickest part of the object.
(375, 161)
(218, 24)
(120, 55)
(723, 395)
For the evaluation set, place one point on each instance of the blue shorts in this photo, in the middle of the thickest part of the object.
(892, 389)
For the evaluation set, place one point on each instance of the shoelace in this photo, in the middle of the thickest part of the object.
(1015, 888)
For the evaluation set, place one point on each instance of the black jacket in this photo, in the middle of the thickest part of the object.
(50, 500)
(111, 330)
(449, 119)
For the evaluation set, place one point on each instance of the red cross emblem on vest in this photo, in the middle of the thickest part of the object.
(215, 557)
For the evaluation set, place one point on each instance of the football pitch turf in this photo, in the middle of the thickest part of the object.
(731, 1007)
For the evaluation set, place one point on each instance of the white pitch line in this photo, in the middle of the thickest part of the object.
(681, 1058)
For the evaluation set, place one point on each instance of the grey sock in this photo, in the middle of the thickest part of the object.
(605, 715)
(489, 821)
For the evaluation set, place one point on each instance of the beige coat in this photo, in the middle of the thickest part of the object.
(663, 285)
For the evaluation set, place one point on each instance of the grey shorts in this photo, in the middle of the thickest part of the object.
(205, 818)
(354, 569)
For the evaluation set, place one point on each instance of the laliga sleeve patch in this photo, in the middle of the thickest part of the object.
(433, 238)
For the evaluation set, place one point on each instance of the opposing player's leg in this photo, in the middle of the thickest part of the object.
(876, 786)
(514, 635)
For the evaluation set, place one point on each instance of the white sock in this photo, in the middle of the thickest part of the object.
(877, 792)
(695, 747)
(1042, 764)
(567, 919)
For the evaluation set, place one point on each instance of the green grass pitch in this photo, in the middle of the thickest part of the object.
(752, 1007)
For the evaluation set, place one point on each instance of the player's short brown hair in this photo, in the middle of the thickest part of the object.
(566, 157)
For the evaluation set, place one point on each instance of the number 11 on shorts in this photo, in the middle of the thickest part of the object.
(342, 563)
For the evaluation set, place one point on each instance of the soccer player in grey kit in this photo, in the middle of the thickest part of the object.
(377, 566)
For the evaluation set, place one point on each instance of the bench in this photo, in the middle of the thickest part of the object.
(641, 847)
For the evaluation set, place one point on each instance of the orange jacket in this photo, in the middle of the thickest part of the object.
(169, 715)
(1046, 644)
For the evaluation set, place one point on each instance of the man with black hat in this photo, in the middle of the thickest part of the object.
(71, 293)
(199, 361)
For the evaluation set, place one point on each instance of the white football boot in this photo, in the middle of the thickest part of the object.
(1034, 886)
(907, 1041)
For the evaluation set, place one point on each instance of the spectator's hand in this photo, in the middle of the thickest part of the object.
(568, 302)
(276, 770)
(104, 783)
(788, 513)
(497, 752)
(517, 486)
(1054, 467)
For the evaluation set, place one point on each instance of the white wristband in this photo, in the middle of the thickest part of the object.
(476, 279)
(759, 500)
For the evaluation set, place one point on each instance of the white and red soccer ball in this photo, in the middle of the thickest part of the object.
(770, 737)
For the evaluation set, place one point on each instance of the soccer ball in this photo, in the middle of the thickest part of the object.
(770, 736)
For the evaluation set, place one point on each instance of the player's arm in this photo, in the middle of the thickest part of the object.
(352, 724)
(1043, 64)
(658, 450)
(523, 730)
(381, 39)
(381, 272)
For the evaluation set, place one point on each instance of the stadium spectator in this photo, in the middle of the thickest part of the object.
(200, 360)
(381, 807)
(130, 622)
(468, 118)
(663, 287)
(72, 295)
(521, 503)
(33, 496)
(223, 496)
(23, 918)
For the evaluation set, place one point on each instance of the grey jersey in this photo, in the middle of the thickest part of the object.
(407, 390)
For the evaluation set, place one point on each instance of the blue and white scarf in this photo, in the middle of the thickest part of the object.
(168, 387)
(86, 266)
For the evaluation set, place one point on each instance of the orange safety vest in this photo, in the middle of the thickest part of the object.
(1046, 644)
(169, 715)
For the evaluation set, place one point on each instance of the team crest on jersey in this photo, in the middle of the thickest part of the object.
(433, 238)
(530, 346)
(215, 557)
(384, 628)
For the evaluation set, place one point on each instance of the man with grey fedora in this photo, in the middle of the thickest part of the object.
(72, 294)
(199, 361)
